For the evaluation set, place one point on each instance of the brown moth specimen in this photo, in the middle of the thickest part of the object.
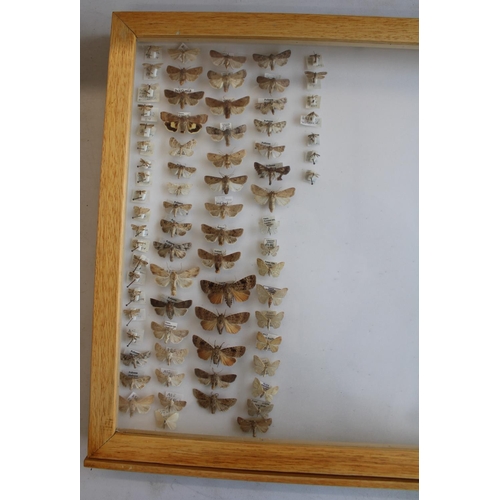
(139, 229)
(131, 314)
(175, 228)
(213, 402)
(178, 189)
(271, 105)
(272, 59)
(227, 107)
(132, 405)
(263, 366)
(270, 268)
(272, 84)
(267, 343)
(133, 336)
(269, 319)
(180, 170)
(134, 382)
(269, 249)
(224, 80)
(258, 407)
(221, 235)
(183, 74)
(218, 260)
(225, 183)
(191, 124)
(217, 134)
(260, 390)
(171, 404)
(183, 54)
(183, 98)
(271, 198)
(164, 277)
(140, 212)
(170, 355)
(227, 60)
(231, 323)
(166, 420)
(179, 149)
(271, 296)
(267, 150)
(169, 379)
(135, 358)
(171, 250)
(214, 379)
(168, 334)
(139, 261)
(223, 210)
(151, 70)
(216, 353)
(271, 172)
(269, 127)
(254, 425)
(177, 208)
(229, 291)
(313, 77)
(170, 307)
(226, 160)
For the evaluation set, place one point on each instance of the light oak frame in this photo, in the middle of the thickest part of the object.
(339, 464)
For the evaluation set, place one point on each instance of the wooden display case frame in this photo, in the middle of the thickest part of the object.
(320, 463)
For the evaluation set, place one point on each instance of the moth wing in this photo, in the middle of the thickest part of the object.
(262, 267)
(231, 235)
(215, 291)
(237, 133)
(179, 355)
(158, 271)
(228, 354)
(262, 60)
(260, 125)
(208, 318)
(282, 171)
(245, 425)
(142, 405)
(193, 73)
(203, 376)
(225, 380)
(276, 320)
(224, 404)
(283, 197)
(262, 294)
(215, 183)
(173, 72)
(192, 98)
(261, 321)
(281, 84)
(203, 399)
(278, 126)
(216, 134)
(204, 348)
(282, 58)
(257, 389)
(177, 336)
(236, 183)
(232, 210)
(270, 393)
(236, 158)
(232, 322)
(173, 98)
(236, 62)
(216, 80)
(230, 259)
(259, 365)
(261, 195)
(238, 106)
(272, 367)
(213, 209)
(171, 421)
(216, 106)
(260, 169)
(163, 378)
(161, 353)
(123, 404)
(217, 57)
(266, 83)
(217, 160)
(263, 424)
(237, 79)
(189, 273)
(276, 268)
(279, 295)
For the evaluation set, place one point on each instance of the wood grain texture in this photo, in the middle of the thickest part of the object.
(293, 28)
(253, 460)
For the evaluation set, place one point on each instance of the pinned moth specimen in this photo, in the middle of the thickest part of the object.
(271, 105)
(213, 402)
(146, 129)
(313, 139)
(266, 343)
(179, 149)
(152, 52)
(170, 403)
(269, 127)
(134, 382)
(227, 107)
(271, 172)
(145, 148)
(231, 323)
(140, 212)
(261, 390)
(183, 98)
(216, 353)
(217, 134)
(178, 189)
(132, 314)
(139, 195)
(263, 366)
(225, 183)
(148, 93)
(312, 157)
(226, 160)
(272, 84)
(143, 178)
(314, 60)
(259, 407)
(254, 425)
(132, 405)
(174, 228)
(313, 101)
(139, 245)
(147, 115)
(267, 150)
(270, 268)
(166, 420)
(167, 333)
(270, 295)
(269, 247)
(140, 230)
(170, 355)
(151, 70)
(144, 163)
(135, 358)
(271, 198)
(269, 225)
(133, 336)
(183, 74)
(171, 307)
(269, 319)
(311, 118)
(177, 208)
(218, 260)
(314, 78)
(136, 277)
(223, 210)
(164, 277)
(172, 250)
(139, 261)
(184, 123)
(135, 295)
(272, 59)
(220, 234)
(224, 80)
(214, 379)
(227, 60)
(311, 176)
(168, 378)
(183, 54)
(229, 291)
